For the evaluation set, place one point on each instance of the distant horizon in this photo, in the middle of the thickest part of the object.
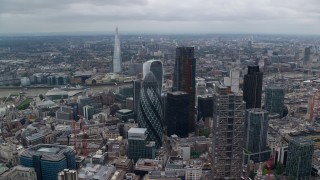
(124, 33)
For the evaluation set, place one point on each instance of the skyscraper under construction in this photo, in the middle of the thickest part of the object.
(228, 133)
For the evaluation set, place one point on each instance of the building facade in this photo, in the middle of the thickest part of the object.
(138, 145)
(184, 79)
(68, 174)
(117, 54)
(48, 160)
(228, 133)
(274, 100)
(155, 66)
(252, 87)
(150, 109)
(136, 96)
(299, 160)
(177, 113)
(256, 129)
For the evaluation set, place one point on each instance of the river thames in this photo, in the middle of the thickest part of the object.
(37, 91)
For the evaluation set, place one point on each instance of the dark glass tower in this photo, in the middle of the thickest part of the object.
(299, 162)
(150, 109)
(252, 87)
(184, 79)
(256, 129)
(205, 107)
(274, 100)
(307, 52)
(177, 113)
(136, 97)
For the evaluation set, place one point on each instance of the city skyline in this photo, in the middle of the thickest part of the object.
(150, 16)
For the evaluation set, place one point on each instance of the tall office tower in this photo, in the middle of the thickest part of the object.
(184, 78)
(138, 145)
(299, 161)
(150, 109)
(136, 97)
(177, 107)
(48, 160)
(117, 53)
(252, 87)
(274, 100)
(256, 129)
(307, 52)
(228, 133)
(155, 66)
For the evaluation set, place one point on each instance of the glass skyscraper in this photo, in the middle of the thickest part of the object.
(155, 66)
(299, 162)
(117, 54)
(184, 79)
(256, 129)
(177, 113)
(150, 109)
(274, 100)
(252, 87)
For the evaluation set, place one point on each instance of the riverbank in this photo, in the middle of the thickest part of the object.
(36, 91)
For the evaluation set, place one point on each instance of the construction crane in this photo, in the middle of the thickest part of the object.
(314, 104)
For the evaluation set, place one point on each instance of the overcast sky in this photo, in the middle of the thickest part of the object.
(161, 16)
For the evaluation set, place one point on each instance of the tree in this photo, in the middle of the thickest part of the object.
(279, 168)
(252, 174)
(265, 172)
(41, 96)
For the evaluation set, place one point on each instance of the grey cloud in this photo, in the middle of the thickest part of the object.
(274, 15)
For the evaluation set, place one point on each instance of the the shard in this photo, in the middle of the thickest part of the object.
(117, 54)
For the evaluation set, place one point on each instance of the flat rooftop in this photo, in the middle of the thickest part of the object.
(137, 130)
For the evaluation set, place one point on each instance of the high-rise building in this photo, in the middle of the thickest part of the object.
(177, 113)
(136, 96)
(155, 66)
(138, 145)
(256, 129)
(299, 160)
(150, 113)
(307, 52)
(274, 100)
(184, 79)
(228, 133)
(117, 54)
(252, 87)
(48, 160)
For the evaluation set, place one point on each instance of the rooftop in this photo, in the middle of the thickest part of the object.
(48, 152)
(137, 130)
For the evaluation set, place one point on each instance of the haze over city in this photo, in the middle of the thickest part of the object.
(159, 89)
(165, 16)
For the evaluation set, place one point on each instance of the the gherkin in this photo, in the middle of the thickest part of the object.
(150, 109)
